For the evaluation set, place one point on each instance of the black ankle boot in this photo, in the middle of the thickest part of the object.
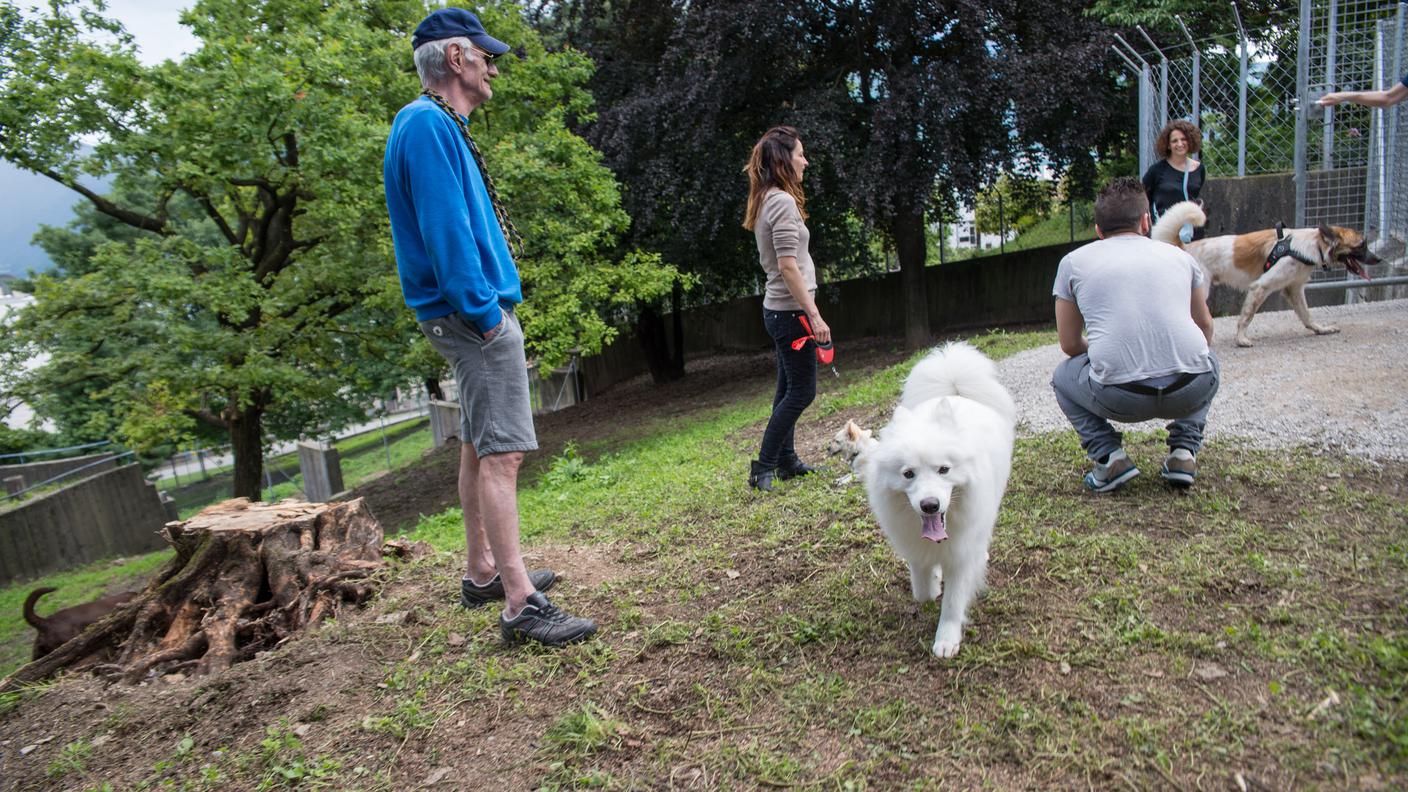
(759, 477)
(792, 467)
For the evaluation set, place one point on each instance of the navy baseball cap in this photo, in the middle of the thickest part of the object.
(456, 23)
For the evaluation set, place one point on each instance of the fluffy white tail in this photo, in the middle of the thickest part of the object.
(958, 369)
(1166, 230)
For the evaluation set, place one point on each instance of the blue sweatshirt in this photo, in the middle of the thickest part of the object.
(450, 251)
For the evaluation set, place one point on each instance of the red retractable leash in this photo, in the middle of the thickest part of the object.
(825, 353)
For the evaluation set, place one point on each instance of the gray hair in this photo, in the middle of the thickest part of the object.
(431, 63)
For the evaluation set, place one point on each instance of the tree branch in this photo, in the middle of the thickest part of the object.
(214, 215)
(155, 224)
(209, 418)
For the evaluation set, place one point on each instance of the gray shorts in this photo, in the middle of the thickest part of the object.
(495, 414)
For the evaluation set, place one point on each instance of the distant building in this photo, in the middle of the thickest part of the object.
(964, 233)
(16, 414)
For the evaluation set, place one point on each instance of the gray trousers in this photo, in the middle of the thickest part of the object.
(1091, 406)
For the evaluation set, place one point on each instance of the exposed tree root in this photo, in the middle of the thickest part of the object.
(246, 578)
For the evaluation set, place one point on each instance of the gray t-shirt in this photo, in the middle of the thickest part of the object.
(780, 232)
(1135, 294)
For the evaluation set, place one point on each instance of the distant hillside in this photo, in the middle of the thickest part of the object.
(28, 200)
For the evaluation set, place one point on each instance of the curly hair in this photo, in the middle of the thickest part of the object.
(1195, 138)
(770, 165)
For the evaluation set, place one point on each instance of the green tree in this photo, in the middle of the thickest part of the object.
(260, 295)
(1026, 201)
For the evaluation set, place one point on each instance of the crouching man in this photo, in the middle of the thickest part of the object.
(1145, 350)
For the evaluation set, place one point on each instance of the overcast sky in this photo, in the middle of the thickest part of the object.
(156, 26)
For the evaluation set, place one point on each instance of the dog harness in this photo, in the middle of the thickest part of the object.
(1283, 248)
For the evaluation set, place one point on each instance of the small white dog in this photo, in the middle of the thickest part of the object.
(936, 476)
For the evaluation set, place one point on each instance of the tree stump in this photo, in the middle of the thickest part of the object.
(246, 578)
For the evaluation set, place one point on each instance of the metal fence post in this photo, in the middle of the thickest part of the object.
(1146, 98)
(1244, 48)
(1393, 186)
(1302, 88)
(1327, 152)
(1197, 73)
(1001, 226)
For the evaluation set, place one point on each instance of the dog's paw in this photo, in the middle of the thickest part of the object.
(945, 649)
(1325, 329)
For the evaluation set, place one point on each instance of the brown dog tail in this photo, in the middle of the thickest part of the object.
(30, 616)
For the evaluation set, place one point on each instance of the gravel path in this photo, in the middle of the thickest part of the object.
(1347, 391)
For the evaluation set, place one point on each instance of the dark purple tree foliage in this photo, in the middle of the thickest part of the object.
(902, 104)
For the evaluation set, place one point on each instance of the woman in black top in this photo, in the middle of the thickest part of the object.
(1176, 176)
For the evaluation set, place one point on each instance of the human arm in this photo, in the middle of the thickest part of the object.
(1387, 98)
(1202, 315)
(433, 174)
(797, 287)
(1069, 326)
(785, 222)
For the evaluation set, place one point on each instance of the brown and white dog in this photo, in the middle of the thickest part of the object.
(62, 625)
(1246, 262)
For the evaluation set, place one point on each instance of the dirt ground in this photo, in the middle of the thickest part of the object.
(318, 691)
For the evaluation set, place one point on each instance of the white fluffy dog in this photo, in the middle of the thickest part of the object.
(936, 476)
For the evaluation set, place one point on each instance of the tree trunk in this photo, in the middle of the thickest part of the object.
(908, 231)
(246, 578)
(247, 444)
(650, 329)
(677, 322)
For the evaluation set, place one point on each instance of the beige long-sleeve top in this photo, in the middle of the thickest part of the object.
(780, 231)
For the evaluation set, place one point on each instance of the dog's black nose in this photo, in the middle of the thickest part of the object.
(929, 505)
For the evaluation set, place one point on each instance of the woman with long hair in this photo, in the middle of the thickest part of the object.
(777, 216)
(1176, 176)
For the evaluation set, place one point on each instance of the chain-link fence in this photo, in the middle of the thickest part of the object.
(1254, 102)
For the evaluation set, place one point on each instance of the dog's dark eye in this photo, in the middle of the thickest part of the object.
(943, 469)
(909, 474)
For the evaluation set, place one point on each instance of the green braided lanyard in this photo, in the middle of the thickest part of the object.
(505, 225)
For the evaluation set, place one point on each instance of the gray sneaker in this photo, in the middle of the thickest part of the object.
(1180, 468)
(545, 623)
(1112, 475)
(472, 596)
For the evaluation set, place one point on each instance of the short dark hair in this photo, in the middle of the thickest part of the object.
(1120, 204)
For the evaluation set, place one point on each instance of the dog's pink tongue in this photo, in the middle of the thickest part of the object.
(934, 529)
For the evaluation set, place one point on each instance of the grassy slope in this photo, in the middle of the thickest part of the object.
(1147, 639)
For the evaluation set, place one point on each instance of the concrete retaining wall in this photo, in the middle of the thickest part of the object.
(116, 512)
(1014, 288)
(35, 472)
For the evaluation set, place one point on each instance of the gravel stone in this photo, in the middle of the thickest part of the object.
(1346, 392)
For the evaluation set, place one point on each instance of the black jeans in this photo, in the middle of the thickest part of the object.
(796, 384)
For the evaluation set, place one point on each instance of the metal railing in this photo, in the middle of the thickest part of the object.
(69, 473)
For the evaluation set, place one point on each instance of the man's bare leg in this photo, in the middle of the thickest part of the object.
(479, 558)
(498, 507)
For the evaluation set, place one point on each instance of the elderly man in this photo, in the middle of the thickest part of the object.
(452, 235)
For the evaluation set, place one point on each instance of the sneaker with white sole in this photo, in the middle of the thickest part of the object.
(544, 622)
(1180, 468)
(1112, 473)
(472, 595)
